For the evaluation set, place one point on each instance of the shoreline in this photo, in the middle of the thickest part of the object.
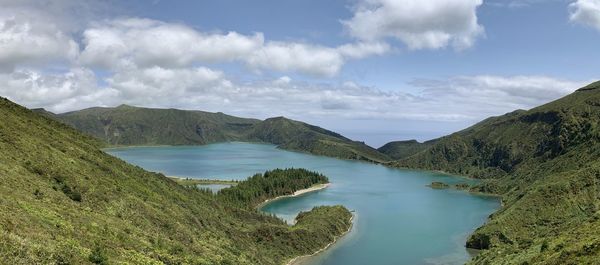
(187, 181)
(296, 260)
(297, 193)
(370, 161)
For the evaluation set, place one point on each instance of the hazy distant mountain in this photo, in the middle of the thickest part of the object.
(64, 201)
(300, 136)
(545, 162)
(127, 125)
(402, 149)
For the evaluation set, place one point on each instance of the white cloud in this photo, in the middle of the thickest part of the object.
(364, 49)
(288, 57)
(586, 12)
(486, 95)
(148, 43)
(30, 40)
(35, 36)
(419, 24)
(158, 84)
(155, 64)
(143, 43)
(463, 98)
(76, 88)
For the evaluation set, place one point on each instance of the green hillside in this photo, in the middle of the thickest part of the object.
(403, 149)
(545, 163)
(299, 136)
(127, 125)
(64, 201)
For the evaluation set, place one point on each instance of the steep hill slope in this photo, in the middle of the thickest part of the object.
(64, 201)
(127, 125)
(300, 136)
(545, 162)
(403, 149)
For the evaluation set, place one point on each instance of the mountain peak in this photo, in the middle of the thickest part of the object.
(278, 118)
(591, 86)
(124, 106)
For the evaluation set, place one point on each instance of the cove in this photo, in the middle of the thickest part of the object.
(399, 220)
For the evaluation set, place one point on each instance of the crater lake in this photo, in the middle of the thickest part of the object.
(398, 219)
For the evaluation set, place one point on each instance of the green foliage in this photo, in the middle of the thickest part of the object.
(98, 256)
(127, 125)
(295, 135)
(271, 184)
(402, 149)
(124, 214)
(438, 185)
(544, 163)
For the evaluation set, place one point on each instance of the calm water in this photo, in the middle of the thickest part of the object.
(398, 219)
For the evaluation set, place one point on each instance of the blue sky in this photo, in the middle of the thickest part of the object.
(374, 70)
(534, 39)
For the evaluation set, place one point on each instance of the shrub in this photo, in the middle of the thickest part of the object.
(98, 256)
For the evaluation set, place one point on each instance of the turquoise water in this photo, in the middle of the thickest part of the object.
(398, 219)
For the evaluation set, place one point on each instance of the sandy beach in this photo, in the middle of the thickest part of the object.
(297, 193)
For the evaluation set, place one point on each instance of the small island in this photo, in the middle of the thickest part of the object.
(438, 185)
(273, 184)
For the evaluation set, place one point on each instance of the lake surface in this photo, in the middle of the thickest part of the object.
(398, 219)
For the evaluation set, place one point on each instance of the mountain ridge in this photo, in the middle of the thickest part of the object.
(404, 148)
(126, 125)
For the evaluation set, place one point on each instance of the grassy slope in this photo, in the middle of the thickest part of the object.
(126, 125)
(299, 136)
(64, 201)
(545, 164)
(403, 149)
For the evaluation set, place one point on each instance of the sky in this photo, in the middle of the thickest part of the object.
(373, 70)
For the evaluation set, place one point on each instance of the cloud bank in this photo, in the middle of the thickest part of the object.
(418, 24)
(456, 99)
(142, 43)
(586, 12)
(48, 62)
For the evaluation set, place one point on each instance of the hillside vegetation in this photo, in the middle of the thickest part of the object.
(128, 125)
(545, 163)
(64, 201)
(299, 136)
(271, 184)
(403, 149)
